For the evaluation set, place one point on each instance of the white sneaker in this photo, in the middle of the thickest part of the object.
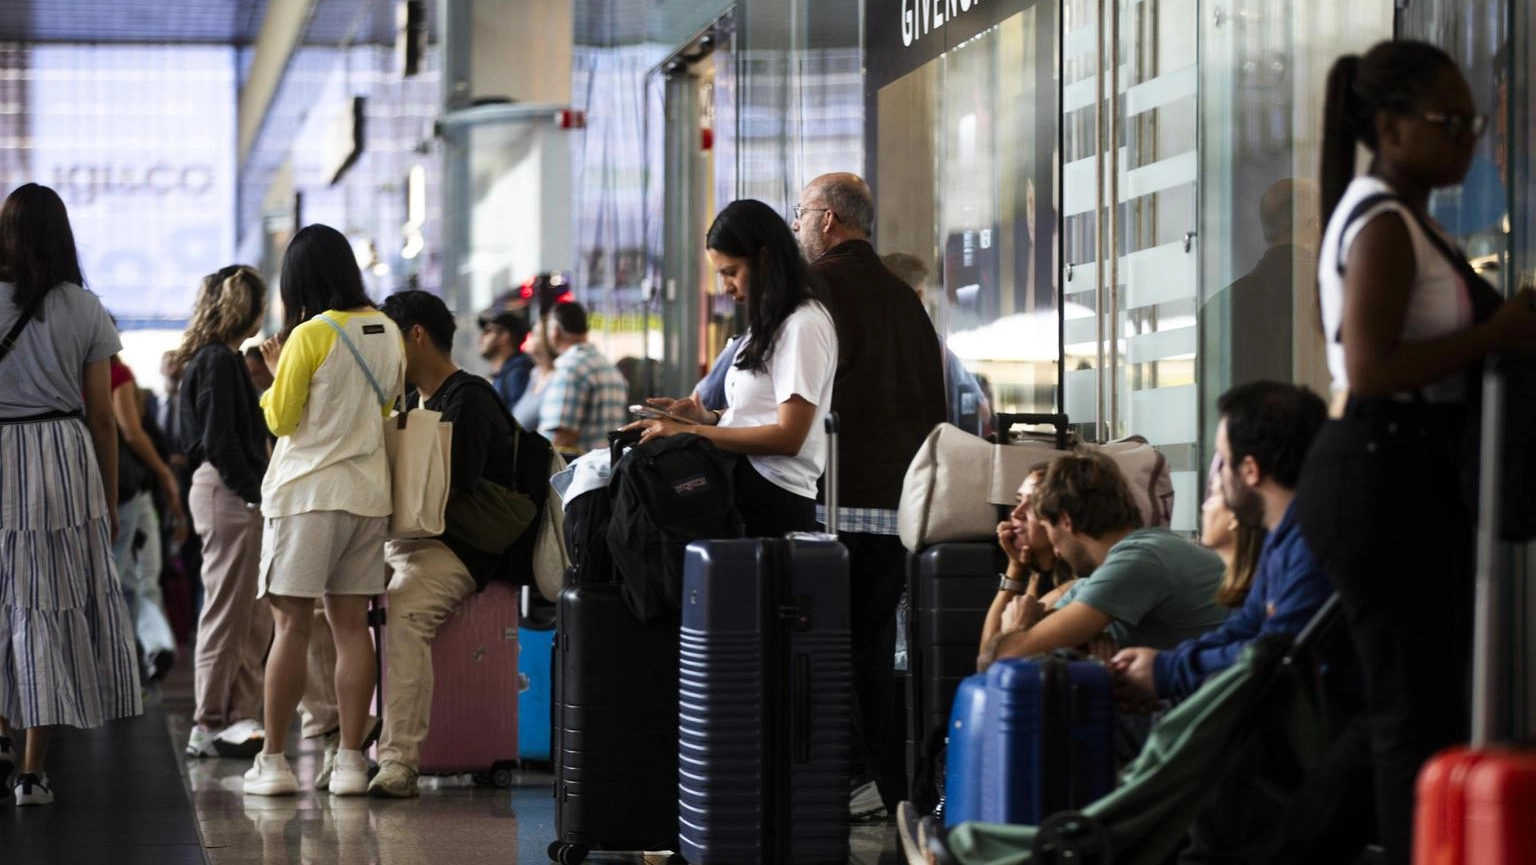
(333, 744)
(327, 764)
(394, 781)
(240, 739)
(200, 742)
(269, 775)
(349, 777)
(865, 803)
(33, 790)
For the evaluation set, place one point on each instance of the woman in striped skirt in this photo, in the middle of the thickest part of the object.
(66, 642)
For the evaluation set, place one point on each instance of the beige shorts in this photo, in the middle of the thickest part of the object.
(323, 553)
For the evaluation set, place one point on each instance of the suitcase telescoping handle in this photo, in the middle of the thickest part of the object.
(1490, 629)
(829, 488)
(1004, 424)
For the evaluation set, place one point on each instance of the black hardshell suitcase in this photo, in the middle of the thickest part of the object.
(950, 587)
(615, 716)
(615, 727)
(766, 691)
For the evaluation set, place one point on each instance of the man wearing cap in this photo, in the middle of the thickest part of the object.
(501, 343)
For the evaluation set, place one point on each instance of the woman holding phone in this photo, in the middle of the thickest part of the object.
(779, 389)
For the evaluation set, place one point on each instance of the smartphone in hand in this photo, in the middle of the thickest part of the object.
(646, 411)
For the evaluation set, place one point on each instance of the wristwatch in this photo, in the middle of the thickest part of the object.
(1006, 584)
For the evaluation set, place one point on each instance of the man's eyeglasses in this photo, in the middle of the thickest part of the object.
(1460, 127)
(801, 211)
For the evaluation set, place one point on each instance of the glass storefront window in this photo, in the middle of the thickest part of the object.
(964, 182)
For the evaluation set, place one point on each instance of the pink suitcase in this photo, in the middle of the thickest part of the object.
(474, 694)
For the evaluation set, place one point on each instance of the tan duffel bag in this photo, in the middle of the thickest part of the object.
(956, 481)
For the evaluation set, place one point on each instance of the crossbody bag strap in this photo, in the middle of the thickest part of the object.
(383, 399)
(1484, 297)
(8, 342)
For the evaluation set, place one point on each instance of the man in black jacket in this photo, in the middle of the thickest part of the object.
(889, 393)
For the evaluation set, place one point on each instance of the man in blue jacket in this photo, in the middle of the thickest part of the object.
(1262, 439)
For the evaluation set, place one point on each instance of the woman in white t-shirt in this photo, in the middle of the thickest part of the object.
(326, 496)
(779, 389)
(1405, 324)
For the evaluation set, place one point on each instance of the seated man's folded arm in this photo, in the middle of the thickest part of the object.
(1067, 628)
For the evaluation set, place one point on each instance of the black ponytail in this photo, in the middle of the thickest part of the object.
(1341, 130)
(1392, 76)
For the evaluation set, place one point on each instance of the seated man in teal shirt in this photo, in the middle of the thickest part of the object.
(1144, 586)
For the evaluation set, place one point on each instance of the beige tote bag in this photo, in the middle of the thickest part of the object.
(419, 446)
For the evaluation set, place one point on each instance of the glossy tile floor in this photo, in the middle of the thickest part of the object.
(123, 799)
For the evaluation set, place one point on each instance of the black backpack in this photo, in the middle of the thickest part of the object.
(531, 454)
(667, 493)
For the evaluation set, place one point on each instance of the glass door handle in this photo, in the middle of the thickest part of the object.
(1189, 240)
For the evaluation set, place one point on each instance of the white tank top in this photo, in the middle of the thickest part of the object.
(1439, 303)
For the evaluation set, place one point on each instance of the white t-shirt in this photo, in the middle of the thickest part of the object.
(804, 363)
(1439, 302)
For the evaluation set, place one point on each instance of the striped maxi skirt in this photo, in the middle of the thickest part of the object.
(66, 642)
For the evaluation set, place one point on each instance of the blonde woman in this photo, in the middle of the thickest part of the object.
(226, 443)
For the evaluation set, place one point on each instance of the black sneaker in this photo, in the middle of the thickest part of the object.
(157, 664)
(33, 790)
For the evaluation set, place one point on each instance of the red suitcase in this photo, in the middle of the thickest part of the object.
(473, 724)
(1476, 807)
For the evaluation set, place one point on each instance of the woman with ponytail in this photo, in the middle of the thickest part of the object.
(1403, 327)
(226, 442)
(779, 389)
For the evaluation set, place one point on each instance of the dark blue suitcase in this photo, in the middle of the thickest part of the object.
(765, 694)
(1046, 742)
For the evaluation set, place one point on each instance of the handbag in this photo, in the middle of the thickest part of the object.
(550, 559)
(418, 445)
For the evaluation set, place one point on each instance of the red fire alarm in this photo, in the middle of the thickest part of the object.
(706, 139)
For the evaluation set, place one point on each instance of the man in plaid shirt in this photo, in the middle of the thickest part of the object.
(585, 397)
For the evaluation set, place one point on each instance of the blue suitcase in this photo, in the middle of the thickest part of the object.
(765, 695)
(1045, 741)
(965, 758)
(535, 663)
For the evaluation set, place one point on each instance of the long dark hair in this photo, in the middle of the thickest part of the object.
(37, 246)
(319, 273)
(1392, 76)
(779, 278)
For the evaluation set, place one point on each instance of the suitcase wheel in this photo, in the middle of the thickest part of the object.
(501, 775)
(567, 854)
(1071, 838)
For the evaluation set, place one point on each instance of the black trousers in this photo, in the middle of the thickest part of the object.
(767, 509)
(877, 572)
(1381, 507)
